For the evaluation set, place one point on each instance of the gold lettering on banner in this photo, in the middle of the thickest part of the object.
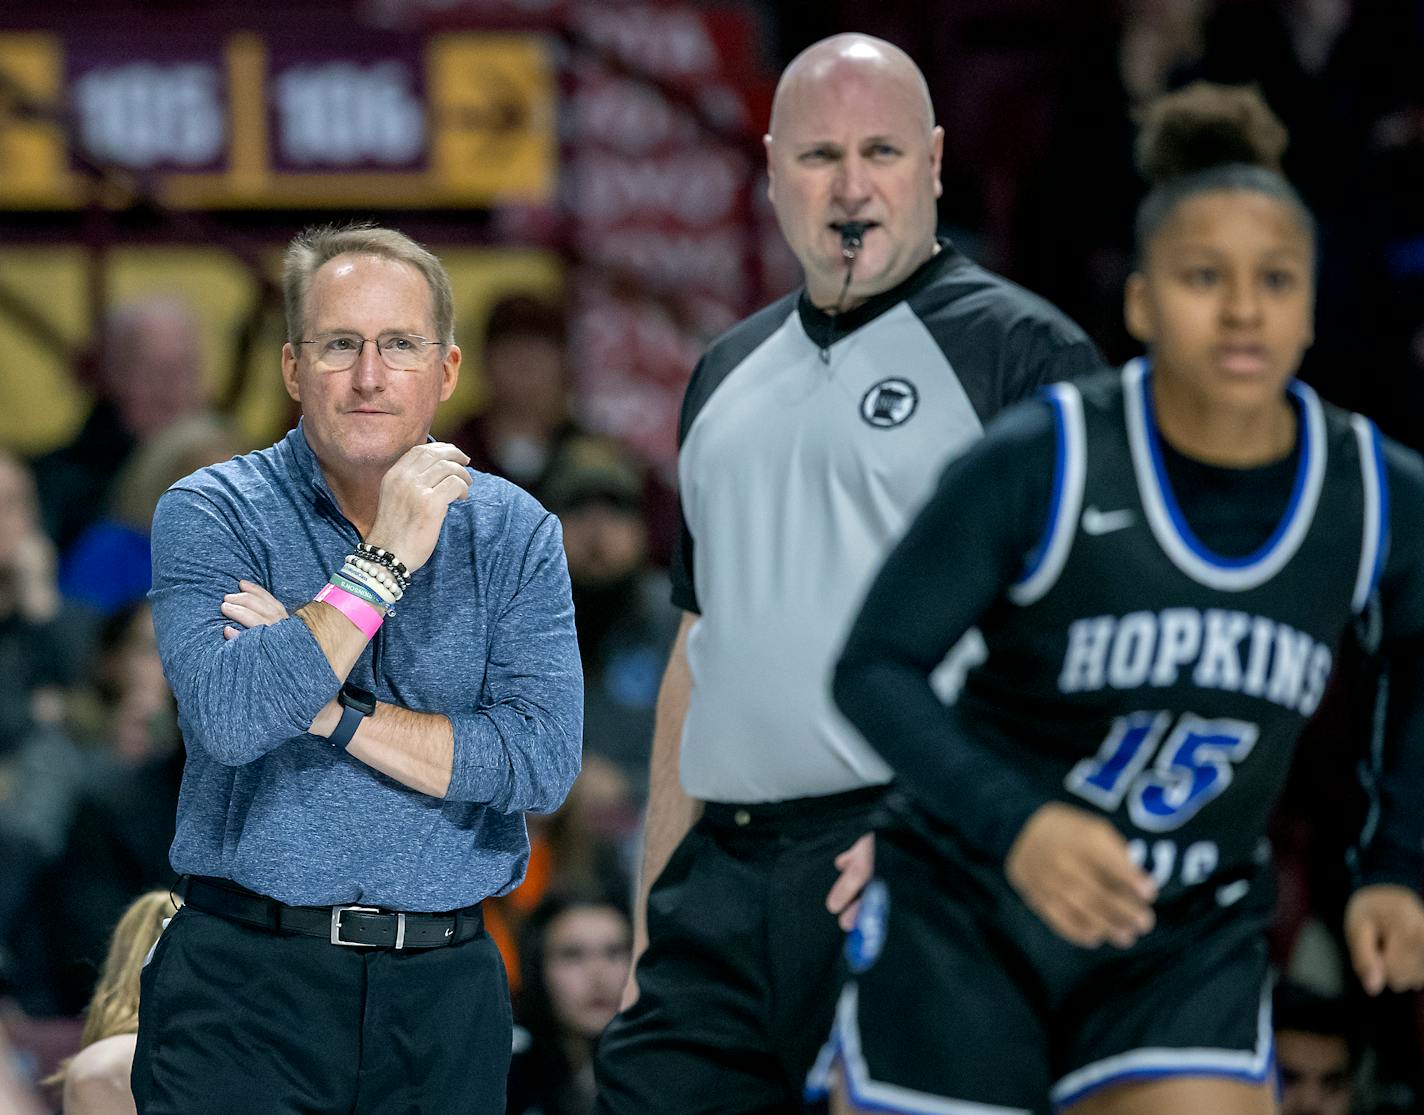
(34, 170)
(489, 106)
(492, 107)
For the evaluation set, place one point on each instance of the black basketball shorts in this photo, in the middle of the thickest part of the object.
(960, 1000)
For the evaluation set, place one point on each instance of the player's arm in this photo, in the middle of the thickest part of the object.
(965, 548)
(1044, 350)
(1385, 918)
(671, 812)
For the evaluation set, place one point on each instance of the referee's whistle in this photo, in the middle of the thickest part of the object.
(852, 238)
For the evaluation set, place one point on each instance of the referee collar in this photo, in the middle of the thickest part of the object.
(827, 328)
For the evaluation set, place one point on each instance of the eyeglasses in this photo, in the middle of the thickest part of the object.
(400, 352)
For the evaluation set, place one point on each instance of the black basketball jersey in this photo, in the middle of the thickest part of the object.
(1133, 671)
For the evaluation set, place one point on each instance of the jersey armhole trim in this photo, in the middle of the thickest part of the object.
(1376, 516)
(1070, 465)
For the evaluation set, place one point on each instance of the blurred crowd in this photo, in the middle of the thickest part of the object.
(90, 753)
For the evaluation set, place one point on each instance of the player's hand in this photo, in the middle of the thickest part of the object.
(856, 865)
(252, 606)
(416, 492)
(1384, 926)
(1073, 870)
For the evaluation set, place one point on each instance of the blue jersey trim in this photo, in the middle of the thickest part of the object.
(1382, 478)
(843, 1049)
(1039, 553)
(1046, 560)
(1252, 1066)
(1169, 497)
(1139, 1075)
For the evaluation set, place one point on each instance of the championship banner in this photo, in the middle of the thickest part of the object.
(245, 120)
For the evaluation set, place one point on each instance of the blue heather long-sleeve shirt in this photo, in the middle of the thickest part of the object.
(485, 637)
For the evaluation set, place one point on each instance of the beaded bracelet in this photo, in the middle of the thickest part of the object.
(382, 577)
(388, 559)
(387, 592)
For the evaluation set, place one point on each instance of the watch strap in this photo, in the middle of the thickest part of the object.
(346, 728)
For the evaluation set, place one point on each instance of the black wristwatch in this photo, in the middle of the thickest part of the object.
(356, 704)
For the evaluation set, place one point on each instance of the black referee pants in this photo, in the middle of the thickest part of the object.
(235, 1020)
(738, 985)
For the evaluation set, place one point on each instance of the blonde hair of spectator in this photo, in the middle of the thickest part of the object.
(113, 1009)
(315, 246)
(160, 462)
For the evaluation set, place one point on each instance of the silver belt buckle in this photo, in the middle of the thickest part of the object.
(337, 911)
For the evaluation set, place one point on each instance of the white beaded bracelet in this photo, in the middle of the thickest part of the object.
(386, 592)
(376, 570)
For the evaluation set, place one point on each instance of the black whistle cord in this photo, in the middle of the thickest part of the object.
(852, 239)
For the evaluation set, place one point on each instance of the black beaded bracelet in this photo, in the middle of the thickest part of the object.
(389, 560)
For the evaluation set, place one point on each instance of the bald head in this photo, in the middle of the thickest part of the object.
(850, 59)
(853, 139)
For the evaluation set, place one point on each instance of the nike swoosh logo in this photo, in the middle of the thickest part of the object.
(1105, 522)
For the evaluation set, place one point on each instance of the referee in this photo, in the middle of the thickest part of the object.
(810, 435)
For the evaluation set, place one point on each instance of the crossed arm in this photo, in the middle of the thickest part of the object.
(518, 750)
(417, 749)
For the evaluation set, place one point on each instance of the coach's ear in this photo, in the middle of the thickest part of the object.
(1137, 308)
(289, 372)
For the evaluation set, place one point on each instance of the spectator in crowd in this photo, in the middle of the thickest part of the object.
(41, 647)
(123, 824)
(108, 566)
(149, 375)
(1317, 1052)
(526, 416)
(625, 623)
(587, 845)
(96, 1079)
(574, 956)
(89, 814)
(16, 1095)
(1072, 242)
(527, 421)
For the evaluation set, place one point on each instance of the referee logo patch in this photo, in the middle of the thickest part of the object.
(865, 942)
(890, 403)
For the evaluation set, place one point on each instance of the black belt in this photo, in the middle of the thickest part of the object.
(354, 926)
(791, 815)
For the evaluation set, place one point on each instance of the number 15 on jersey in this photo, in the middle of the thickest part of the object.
(1193, 766)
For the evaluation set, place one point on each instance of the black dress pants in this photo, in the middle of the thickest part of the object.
(738, 985)
(234, 1019)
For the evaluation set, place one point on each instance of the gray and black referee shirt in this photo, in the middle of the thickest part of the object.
(807, 444)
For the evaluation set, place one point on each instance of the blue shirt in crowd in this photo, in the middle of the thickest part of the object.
(485, 636)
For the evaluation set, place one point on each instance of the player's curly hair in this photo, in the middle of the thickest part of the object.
(1209, 137)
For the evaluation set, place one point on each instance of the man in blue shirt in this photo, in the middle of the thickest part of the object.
(372, 649)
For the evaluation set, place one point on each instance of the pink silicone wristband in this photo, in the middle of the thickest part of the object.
(366, 616)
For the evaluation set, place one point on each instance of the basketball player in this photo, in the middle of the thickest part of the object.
(1070, 908)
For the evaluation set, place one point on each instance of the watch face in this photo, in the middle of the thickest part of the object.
(362, 700)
